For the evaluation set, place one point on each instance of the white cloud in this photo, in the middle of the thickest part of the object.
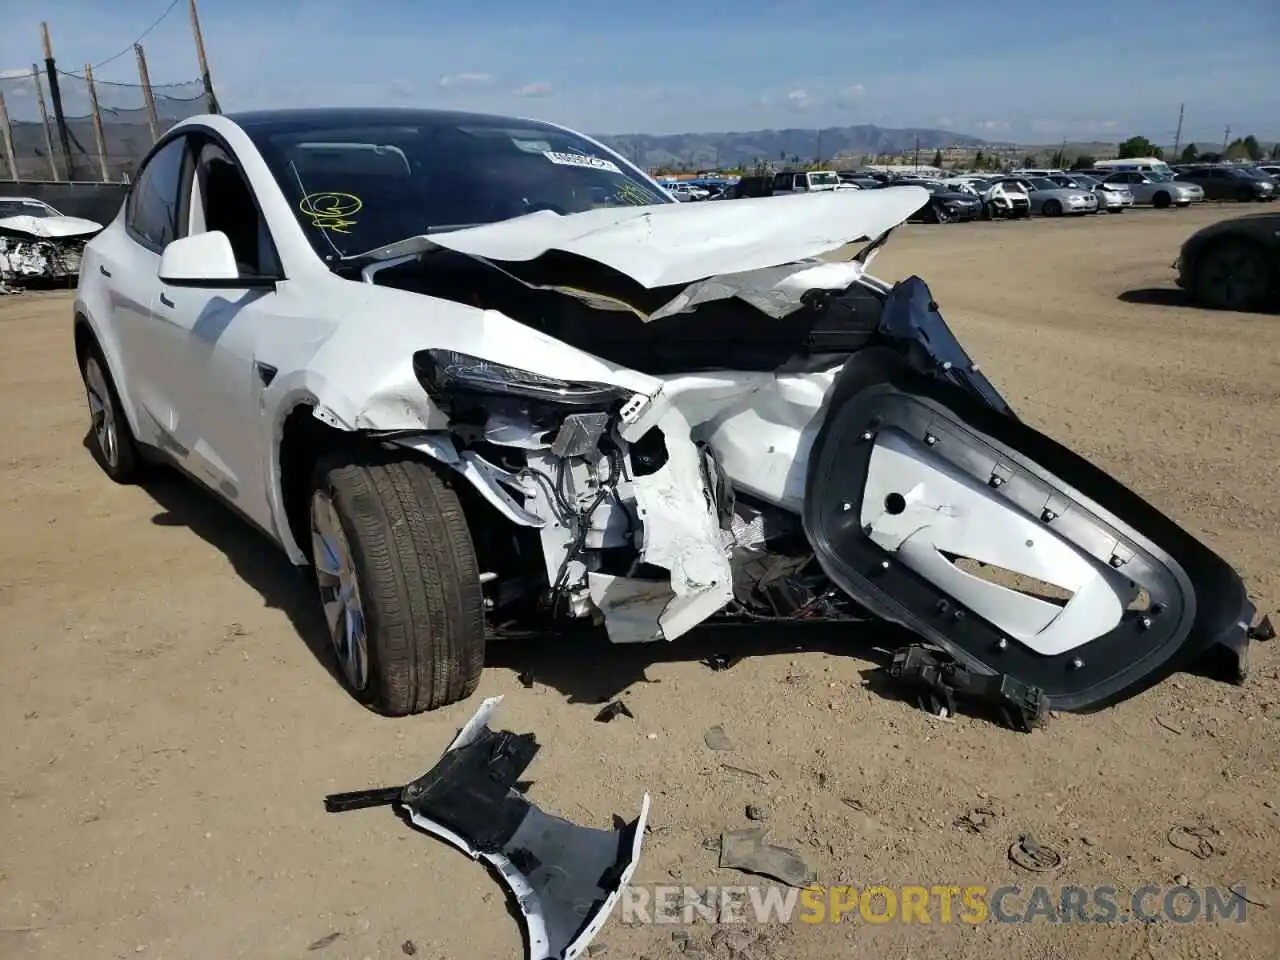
(799, 100)
(945, 121)
(992, 126)
(17, 73)
(538, 88)
(466, 79)
(850, 96)
(400, 90)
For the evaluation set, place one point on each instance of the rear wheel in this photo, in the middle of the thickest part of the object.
(1052, 208)
(1232, 275)
(398, 579)
(110, 440)
(1161, 200)
(941, 215)
(1245, 195)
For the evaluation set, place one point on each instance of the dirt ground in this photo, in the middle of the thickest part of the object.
(172, 730)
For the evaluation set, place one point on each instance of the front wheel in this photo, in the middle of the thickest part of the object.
(1052, 208)
(1232, 275)
(1161, 200)
(398, 580)
(110, 440)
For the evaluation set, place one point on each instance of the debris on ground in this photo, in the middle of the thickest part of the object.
(615, 709)
(325, 941)
(721, 661)
(1031, 854)
(551, 866)
(1237, 891)
(939, 682)
(744, 771)
(1171, 727)
(1263, 629)
(757, 812)
(716, 739)
(526, 679)
(746, 850)
(977, 820)
(408, 948)
(1182, 880)
(1194, 840)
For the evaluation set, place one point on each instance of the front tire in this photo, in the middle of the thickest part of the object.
(1161, 200)
(110, 440)
(1232, 275)
(1052, 208)
(399, 582)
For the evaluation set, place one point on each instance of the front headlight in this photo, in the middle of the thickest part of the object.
(445, 373)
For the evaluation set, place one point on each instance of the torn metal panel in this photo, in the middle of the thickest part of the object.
(565, 879)
(631, 608)
(681, 531)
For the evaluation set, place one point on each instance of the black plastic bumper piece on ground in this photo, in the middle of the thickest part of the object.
(942, 682)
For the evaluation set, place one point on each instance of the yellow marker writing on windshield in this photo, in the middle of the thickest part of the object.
(331, 211)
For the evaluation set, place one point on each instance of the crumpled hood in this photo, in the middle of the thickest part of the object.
(676, 244)
(50, 228)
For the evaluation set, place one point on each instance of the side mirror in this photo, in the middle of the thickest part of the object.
(205, 260)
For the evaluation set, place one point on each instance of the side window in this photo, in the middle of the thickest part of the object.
(226, 203)
(153, 204)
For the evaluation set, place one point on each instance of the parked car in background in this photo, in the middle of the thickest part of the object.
(1272, 170)
(40, 243)
(1228, 182)
(1158, 189)
(1002, 197)
(945, 203)
(1234, 264)
(862, 183)
(1112, 197)
(805, 181)
(1052, 199)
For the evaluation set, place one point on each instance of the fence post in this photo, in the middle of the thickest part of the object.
(97, 123)
(152, 120)
(55, 94)
(6, 133)
(44, 122)
(204, 62)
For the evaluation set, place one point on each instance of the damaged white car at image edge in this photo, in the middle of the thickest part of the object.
(473, 385)
(37, 242)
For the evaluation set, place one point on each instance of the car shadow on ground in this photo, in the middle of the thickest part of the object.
(586, 668)
(255, 559)
(1157, 297)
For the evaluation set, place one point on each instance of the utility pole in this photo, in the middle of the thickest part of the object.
(210, 97)
(152, 120)
(917, 153)
(1177, 137)
(44, 122)
(819, 146)
(1225, 135)
(6, 134)
(97, 124)
(55, 94)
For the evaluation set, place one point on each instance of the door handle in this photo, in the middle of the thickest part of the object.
(165, 300)
(103, 270)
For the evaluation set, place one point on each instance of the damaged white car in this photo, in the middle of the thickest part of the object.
(480, 371)
(37, 242)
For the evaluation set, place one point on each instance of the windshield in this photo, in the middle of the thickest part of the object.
(1044, 183)
(25, 208)
(1084, 181)
(355, 188)
(823, 178)
(1158, 176)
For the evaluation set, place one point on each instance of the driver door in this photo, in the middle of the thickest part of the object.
(223, 342)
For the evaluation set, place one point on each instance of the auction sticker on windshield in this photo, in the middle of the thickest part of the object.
(581, 160)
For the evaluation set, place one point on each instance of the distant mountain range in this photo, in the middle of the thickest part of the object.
(738, 149)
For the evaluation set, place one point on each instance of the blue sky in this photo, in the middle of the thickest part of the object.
(990, 68)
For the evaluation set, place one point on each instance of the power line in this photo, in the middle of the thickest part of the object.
(129, 49)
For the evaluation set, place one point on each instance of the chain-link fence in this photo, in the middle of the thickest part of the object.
(127, 130)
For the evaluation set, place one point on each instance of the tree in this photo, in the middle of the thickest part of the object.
(1029, 160)
(1275, 151)
(1236, 150)
(1083, 162)
(937, 159)
(1137, 147)
(979, 160)
(1253, 148)
(1190, 153)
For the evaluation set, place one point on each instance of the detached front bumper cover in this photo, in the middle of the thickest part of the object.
(565, 879)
